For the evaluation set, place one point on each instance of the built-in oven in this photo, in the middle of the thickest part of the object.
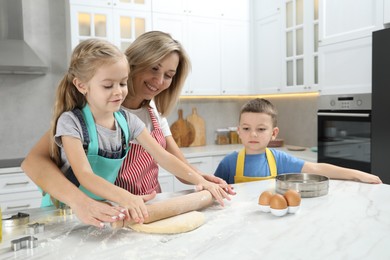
(344, 130)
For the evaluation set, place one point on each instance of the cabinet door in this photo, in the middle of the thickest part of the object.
(268, 55)
(386, 12)
(235, 9)
(204, 50)
(301, 53)
(349, 19)
(345, 68)
(235, 71)
(90, 22)
(130, 25)
(134, 5)
(169, 6)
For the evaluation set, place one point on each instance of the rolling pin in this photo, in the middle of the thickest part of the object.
(173, 207)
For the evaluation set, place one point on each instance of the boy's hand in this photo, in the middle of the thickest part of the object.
(369, 178)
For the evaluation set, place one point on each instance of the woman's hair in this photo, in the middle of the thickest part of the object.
(260, 105)
(149, 49)
(87, 57)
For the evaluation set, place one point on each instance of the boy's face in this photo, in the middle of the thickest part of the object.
(256, 131)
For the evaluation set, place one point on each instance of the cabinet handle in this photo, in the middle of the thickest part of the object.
(196, 162)
(17, 207)
(17, 183)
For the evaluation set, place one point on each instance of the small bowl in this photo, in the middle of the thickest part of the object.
(279, 212)
(293, 209)
(265, 208)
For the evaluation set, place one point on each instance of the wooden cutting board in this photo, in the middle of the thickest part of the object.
(200, 130)
(183, 132)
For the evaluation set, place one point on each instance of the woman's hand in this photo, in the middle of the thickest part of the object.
(136, 206)
(223, 184)
(215, 189)
(95, 213)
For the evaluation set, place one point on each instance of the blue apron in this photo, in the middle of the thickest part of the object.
(104, 167)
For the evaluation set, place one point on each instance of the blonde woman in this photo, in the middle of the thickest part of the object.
(158, 68)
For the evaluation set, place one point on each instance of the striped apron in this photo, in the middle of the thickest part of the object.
(139, 171)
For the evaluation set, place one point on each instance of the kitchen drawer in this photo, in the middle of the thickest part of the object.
(20, 200)
(16, 182)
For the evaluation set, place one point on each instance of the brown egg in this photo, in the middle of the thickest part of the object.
(293, 198)
(265, 197)
(278, 202)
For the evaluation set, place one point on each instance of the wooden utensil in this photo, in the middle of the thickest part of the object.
(200, 130)
(173, 207)
(183, 132)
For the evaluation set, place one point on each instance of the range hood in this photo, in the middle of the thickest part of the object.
(16, 56)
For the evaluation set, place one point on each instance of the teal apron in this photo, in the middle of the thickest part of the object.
(106, 168)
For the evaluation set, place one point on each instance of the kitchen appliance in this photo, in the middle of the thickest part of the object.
(344, 130)
(380, 131)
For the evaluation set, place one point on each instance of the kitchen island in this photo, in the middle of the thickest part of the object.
(351, 222)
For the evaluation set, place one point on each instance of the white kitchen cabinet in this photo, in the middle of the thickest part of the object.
(17, 190)
(285, 46)
(345, 67)
(204, 164)
(117, 21)
(216, 40)
(232, 9)
(345, 44)
(267, 49)
(386, 12)
(347, 20)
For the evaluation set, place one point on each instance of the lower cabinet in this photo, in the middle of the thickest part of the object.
(206, 164)
(17, 190)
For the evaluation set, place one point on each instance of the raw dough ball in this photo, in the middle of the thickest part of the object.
(173, 225)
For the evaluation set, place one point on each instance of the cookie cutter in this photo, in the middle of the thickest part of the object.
(16, 220)
(24, 242)
(35, 228)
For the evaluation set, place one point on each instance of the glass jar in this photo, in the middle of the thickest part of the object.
(233, 135)
(222, 136)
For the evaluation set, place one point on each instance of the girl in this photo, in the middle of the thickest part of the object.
(93, 135)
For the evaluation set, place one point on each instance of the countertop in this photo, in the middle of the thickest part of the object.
(351, 222)
(215, 150)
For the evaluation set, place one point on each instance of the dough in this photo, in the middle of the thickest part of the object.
(173, 225)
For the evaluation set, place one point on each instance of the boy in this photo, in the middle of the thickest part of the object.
(257, 127)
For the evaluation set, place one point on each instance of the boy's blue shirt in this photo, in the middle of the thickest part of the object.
(256, 165)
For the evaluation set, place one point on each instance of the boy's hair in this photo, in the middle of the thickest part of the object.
(260, 105)
(87, 57)
(148, 50)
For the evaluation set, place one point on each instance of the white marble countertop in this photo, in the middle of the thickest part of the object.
(213, 150)
(351, 222)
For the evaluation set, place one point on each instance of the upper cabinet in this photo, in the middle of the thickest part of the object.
(345, 44)
(118, 21)
(285, 46)
(216, 38)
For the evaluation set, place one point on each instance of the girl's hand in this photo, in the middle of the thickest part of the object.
(215, 189)
(136, 206)
(223, 184)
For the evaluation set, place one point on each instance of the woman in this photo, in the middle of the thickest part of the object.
(158, 68)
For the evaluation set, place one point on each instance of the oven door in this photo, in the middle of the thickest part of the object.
(344, 138)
